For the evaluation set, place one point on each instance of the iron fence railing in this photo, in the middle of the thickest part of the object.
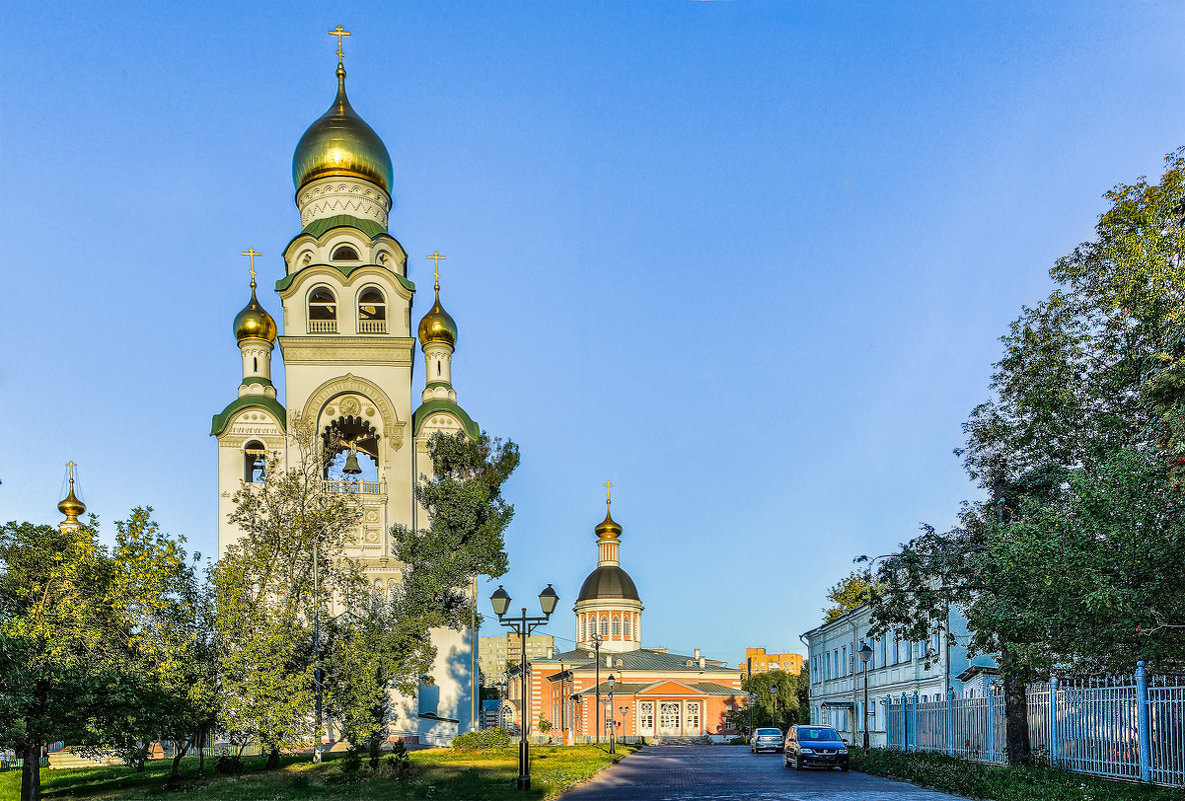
(1124, 727)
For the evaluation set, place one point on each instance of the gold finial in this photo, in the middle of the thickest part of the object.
(339, 33)
(71, 466)
(436, 257)
(251, 254)
(608, 490)
(71, 506)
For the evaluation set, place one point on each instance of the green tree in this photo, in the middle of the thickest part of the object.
(848, 593)
(264, 586)
(778, 699)
(1083, 435)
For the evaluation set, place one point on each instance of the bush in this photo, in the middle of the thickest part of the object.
(399, 761)
(228, 765)
(483, 740)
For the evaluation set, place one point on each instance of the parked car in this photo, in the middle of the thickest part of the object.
(815, 745)
(765, 740)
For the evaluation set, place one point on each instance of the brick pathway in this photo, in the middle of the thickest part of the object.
(731, 773)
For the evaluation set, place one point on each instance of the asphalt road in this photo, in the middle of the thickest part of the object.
(731, 773)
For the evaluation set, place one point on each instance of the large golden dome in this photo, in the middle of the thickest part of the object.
(253, 322)
(341, 143)
(438, 325)
(70, 506)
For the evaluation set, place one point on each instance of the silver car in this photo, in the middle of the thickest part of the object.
(766, 740)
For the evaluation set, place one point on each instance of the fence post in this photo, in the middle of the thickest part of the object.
(1053, 720)
(915, 720)
(1142, 715)
(904, 724)
(991, 724)
(950, 721)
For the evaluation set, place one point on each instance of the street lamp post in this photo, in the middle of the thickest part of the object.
(523, 627)
(612, 723)
(865, 656)
(623, 711)
(774, 689)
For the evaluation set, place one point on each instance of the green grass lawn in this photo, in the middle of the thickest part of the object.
(999, 782)
(437, 774)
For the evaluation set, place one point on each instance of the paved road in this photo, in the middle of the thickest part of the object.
(731, 773)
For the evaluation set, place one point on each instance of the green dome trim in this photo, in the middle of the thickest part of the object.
(345, 270)
(271, 405)
(426, 410)
(368, 227)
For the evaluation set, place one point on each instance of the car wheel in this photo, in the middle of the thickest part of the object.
(844, 767)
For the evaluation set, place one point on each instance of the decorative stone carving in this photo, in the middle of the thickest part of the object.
(393, 427)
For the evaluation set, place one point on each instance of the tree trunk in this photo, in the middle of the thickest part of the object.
(202, 757)
(273, 758)
(181, 751)
(31, 773)
(1016, 714)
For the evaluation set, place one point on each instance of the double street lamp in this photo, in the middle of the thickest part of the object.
(612, 722)
(523, 626)
(865, 655)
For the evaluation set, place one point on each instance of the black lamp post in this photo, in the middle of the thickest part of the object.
(774, 689)
(865, 655)
(623, 710)
(523, 627)
(612, 723)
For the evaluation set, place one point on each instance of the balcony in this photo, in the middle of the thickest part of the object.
(372, 326)
(322, 326)
(354, 487)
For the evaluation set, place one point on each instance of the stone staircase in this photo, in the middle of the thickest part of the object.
(701, 740)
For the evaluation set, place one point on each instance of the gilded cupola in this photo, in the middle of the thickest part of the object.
(341, 144)
(438, 325)
(253, 322)
(71, 506)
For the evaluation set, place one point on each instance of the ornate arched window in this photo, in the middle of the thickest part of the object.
(583, 628)
(322, 311)
(617, 625)
(604, 625)
(628, 619)
(344, 253)
(372, 311)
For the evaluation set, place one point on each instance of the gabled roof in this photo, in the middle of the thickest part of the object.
(643, 659)
(665, 687)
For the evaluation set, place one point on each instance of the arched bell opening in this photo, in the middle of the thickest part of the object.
(254, 462)
(351, 445)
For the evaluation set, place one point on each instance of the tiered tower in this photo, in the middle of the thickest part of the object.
(608, 606)
(347, 352)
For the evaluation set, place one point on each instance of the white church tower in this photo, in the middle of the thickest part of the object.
(347, 350)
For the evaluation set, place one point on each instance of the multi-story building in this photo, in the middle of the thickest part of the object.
(496, 654)
(838, 675)
(758, 661)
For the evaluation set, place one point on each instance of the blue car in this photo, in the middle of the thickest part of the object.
(815, 746)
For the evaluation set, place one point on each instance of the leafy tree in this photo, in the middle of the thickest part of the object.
(782, 708)
(847, 594)
(1079, 450)
(264, 586)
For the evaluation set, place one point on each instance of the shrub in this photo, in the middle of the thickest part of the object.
(483, 740)
(228, 765)
(399, 761)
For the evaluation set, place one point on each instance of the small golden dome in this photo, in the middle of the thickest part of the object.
(341, 143)
(70, 506)
(253, 322)
(438, 325)
(608, 529)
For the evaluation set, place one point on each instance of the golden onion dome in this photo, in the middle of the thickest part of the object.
(70, 506)
(340, 143)
(438, 325)
(608, 529)
(253, 322)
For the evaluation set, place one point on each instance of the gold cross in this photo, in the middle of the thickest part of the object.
(71, 465)
(436, 257)
(608, 488)
(251, 254)
(339, 33)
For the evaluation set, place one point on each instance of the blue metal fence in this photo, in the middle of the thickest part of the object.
(1126, 727)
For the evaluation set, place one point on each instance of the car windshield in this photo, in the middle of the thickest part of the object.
(769, 732)
(817, 733)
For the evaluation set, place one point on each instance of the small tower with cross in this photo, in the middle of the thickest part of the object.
(438, 340)
(255, 331)
(608, 606)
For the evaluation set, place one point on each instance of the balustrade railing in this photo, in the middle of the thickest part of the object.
(322, 326)
(354, 487)
(372, 326)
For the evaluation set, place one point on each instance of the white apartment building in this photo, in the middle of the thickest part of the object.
(838, 676)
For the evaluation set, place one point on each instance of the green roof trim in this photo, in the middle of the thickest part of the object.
(345, 270)
(442, 405)
(435, 384)
(267, 382)
(368, 227)
(223, 418)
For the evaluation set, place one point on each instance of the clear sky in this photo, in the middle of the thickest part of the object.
(747, 260)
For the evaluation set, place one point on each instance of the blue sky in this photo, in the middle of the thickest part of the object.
(748, 260)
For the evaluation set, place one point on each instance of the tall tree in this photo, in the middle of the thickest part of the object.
(850, 592)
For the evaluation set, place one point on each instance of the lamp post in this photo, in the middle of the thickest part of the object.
(523, 627)
(317, 651)
(865, 656)
(774, 689)
(612, 723)
(623, 710)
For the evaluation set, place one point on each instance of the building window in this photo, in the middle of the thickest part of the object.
(843, 661)
(693, 717)
(628, 618)
(616, 625)
(881, 643)
(322, 311)
(583, 628)
(646, 717)
(344, 253)
(372, 311)
(604, 626)
(254, 462)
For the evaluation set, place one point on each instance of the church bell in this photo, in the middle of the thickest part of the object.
(352, 468)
